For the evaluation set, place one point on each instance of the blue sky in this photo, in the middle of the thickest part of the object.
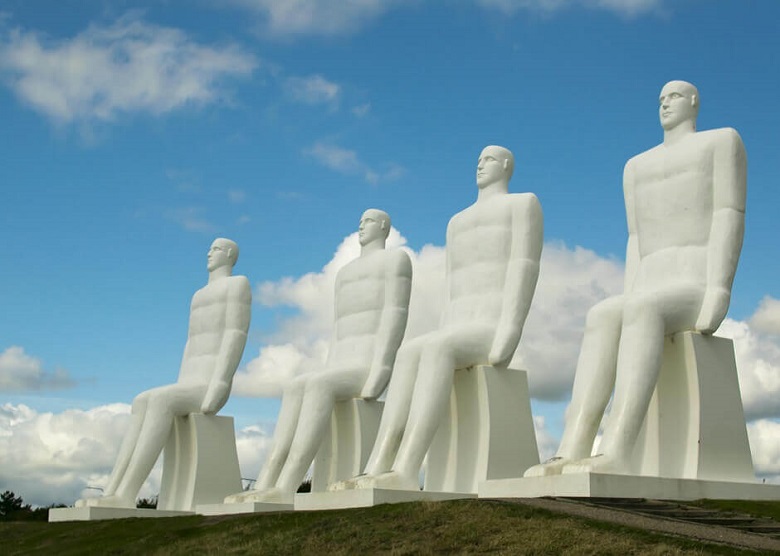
(136, 132)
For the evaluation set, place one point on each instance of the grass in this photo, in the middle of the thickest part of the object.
(459, 527)
(756, 508)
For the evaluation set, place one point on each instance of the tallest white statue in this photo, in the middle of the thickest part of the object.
(685, 206)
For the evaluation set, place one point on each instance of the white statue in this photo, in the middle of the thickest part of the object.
(685, 206)
(493, 250)
(219, 322)
(371, 307)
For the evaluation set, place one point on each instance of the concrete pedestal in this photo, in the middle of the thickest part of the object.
(96, 513)
(347, 444)
(695, 425)
(200, 463)
(488, 432)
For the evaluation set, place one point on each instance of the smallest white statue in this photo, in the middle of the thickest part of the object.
(219, 323)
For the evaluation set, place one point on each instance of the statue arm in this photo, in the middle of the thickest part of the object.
(237, 316)
(727, 230)
(521, 275)
(632, 247)
(392, 323)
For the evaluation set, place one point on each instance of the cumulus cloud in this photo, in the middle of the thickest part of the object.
(758, 364)
(107, 70)
(315, 17)
(191, 219)
(295, 18)
(623, 7)
(21, 372)
(314, 89)
(765, 448)
(347, 161)
(51, 458)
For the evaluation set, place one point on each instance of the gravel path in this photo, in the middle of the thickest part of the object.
(708, 533)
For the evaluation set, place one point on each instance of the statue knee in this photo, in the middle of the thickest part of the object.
(640, 309)
(606, 314)
(296, 386)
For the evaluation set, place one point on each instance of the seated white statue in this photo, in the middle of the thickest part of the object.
(219, 322)
(493, 249)
(685, 205)
(371, 307)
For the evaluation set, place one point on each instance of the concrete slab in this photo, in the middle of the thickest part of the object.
(600, 485)
(97, 513)
(368, 497)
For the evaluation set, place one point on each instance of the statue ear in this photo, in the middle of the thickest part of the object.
(694, 100)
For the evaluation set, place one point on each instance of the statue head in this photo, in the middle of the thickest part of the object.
(222, 252)
(495, 164)
(374, 225)
(678, 102)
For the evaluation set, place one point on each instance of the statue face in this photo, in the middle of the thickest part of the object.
(217, 256)
(490, 167)
(676, 104)
(370, 228)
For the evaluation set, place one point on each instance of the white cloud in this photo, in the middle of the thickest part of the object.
(362, 110)
(623, 7)
(316, 17)
(766, 319)
(314, 89)
(20, 371)
(108, 70)
(347, 161)
(236, 196)
(758, 365)
(295, 18)
(764, 445)
(191, 219)
(51, 458)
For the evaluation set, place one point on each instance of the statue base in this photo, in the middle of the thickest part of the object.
(347, 443)
(488, 432)
(97, 513)
(200, 463)
(242, 508)
(367, 497)
(598, 485)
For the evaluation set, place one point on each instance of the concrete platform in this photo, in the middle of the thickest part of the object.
(599, 485)
(368, 497)
(96, 513)
(242, 508)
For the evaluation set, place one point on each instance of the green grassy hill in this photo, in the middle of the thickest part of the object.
(463, 526)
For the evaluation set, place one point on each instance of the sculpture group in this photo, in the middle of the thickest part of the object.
(685, 204)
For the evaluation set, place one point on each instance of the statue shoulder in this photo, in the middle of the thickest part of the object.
(238, 287)
(727, 137)
(526, 204)
(399, 262)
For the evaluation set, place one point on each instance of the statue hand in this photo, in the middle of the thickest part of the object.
(216, 397)
(713, 310)
(377, 380)
(503, 348)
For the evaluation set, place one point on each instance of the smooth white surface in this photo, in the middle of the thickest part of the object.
(493, 249)
(93, 513)
(371, 307)
(488, 432)
(365, 498)
(200, 462)
(599, 485)
(695, 425)
(347, 442)
(685, 204)
(242, 508)
(219, 322)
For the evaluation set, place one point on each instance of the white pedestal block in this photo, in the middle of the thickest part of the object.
(242, 508)
(200, 463)
(488, 432)
(347, 444)
(96, 513)
(367, 497)
(695, 425)
(599, 485)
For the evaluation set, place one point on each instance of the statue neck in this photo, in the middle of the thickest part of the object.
(491, 190)
(679, 132)
(372, 247)
(218, 273)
